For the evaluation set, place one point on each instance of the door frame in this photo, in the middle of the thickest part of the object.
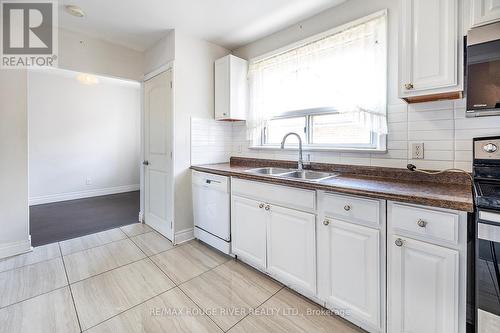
(160, 70)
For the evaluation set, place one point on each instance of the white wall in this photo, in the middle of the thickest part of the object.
(93, 56)
(82, 53)
(14, 228)
(160, 54)
(87, 132)
(193, 97)
(441, 126)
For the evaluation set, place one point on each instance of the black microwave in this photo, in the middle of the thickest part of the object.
(483, 71)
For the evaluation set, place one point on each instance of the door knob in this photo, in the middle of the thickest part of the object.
(145, 163)
(347, 208)
(261, 205)
(268, 207)
(326, 222)
(399, 242)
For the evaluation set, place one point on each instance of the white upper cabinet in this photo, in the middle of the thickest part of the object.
(423, 287)
(485, 12)
(430, 50)
(231, 88)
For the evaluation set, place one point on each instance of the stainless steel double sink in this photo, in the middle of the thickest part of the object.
(315, 176)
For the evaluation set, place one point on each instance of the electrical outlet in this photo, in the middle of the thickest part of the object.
(88, 181)
(417, 150)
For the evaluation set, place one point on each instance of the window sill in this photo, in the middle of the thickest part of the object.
(324, 149)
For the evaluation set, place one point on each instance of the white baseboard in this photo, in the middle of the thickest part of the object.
(15, 248)
(81, 194)
(184, 236)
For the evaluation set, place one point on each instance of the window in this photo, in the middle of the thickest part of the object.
(330, 89)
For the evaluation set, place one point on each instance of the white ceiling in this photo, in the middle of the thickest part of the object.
(230, 23)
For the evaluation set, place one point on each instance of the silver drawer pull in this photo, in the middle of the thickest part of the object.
(261, 205)
(399, 242)
(347, 208)
(326, 222)
(421, 223)
(268, 207)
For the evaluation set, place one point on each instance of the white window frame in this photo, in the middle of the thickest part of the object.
(378, 141)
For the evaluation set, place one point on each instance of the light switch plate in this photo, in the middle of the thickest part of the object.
(417, 150)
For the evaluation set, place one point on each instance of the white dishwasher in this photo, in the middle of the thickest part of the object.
(211, 210)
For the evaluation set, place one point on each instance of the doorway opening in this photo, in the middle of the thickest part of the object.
(84, 139)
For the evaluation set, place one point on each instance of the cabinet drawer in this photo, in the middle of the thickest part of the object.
(427, 223)
(354, 209)
(275, 194)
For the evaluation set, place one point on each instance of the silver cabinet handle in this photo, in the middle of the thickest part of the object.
(347, 208)
(268, 207)
(399, 242)
(421, 223)
(409, 86)
(261, 205)
(145, 163)
(326, 222)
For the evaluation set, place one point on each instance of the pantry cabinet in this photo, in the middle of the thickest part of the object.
(231, 88)
(485, 12)
(431, 49)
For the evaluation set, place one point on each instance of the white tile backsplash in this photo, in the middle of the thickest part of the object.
(441, 126)
(211, 141)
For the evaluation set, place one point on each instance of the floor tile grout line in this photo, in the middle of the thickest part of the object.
(93, 247)
(199, 307)
(256, 307)
(70, 290)
(31, 297)
(109, 270)
(132, 307)
(35, 263)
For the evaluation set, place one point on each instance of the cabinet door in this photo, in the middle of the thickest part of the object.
(222, 88)
(429, 41)
(349, 270)
(485, 12)
(423, 287)
(248, 231)
(291, 247)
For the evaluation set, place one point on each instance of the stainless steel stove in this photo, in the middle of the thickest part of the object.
(487, 264)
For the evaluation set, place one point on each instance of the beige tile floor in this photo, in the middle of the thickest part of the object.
(131, 279)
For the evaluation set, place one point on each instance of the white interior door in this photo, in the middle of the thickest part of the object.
(158, 177)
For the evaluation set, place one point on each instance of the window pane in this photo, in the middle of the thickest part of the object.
(338, 129)
(276, 129)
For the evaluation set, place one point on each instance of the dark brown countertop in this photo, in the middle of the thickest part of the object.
(443, 193)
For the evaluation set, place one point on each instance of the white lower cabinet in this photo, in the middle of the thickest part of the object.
(248, 231)
(291, 248)
(426, 277)
(276, 239)
(357, 251)
(351, 259)
(423, 284)
(349, 269)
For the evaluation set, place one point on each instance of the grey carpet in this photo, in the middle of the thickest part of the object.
(59, 221)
